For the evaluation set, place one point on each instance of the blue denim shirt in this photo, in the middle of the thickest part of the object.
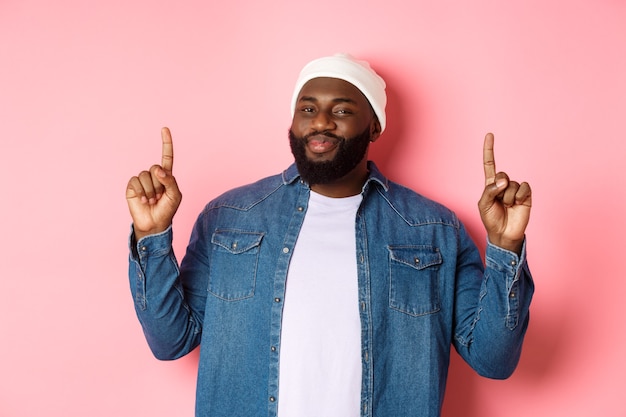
(422, 289)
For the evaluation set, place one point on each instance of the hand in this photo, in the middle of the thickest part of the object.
(505, 205)
(153, 196)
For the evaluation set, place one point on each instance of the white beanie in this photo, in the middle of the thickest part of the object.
(356, 72)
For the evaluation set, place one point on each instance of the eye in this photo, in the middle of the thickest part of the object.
(343, 112)
(307, 109)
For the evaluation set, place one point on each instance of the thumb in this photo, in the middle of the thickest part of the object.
(166, 179)
(492, 192)
(170, 185)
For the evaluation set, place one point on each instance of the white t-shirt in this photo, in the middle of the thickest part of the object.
(320, 356)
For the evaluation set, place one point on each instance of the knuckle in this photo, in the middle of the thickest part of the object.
(143, 175)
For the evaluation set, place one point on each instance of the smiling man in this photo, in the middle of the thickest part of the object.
(329, 290)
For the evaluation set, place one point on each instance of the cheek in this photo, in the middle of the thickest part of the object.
(298, 126)
(351, 129)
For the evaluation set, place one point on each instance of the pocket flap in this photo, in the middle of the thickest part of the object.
(418, 257)
(236, 241)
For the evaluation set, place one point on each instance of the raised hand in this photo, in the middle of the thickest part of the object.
(504, 205)
(153, 196)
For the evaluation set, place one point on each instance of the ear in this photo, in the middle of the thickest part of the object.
(375, 129)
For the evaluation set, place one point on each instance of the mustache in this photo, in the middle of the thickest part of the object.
(324, 133)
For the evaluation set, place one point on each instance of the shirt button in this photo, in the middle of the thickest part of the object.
(300, 208)
(273, 348)
(513, 263)
(143, 249)
(277, 300)
(285, 250)
(272, 399)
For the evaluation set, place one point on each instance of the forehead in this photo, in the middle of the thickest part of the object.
(332, 88)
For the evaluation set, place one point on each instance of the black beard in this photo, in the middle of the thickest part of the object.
(349, 153)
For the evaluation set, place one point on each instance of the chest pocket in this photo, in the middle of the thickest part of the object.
(234, 260)
(414, 279)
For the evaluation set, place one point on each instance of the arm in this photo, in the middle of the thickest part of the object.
(492, 313)
(492, 307)
(171, 327)
(168, 315)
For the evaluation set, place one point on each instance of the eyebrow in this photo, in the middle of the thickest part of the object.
(335, 100)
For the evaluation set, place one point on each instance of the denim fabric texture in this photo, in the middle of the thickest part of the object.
(422, 289)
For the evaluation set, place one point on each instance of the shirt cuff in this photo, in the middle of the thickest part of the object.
(149, 245)
(505, 260)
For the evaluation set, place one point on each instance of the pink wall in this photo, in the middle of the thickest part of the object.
(86, 86)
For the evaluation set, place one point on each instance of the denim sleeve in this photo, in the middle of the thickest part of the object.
(493, 311)
(171, 327)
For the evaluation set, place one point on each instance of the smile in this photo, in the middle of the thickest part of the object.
(321, 143)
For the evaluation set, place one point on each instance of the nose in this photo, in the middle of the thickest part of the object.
(323, 121)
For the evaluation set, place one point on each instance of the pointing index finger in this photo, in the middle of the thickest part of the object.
(167, 155)
(489, 161)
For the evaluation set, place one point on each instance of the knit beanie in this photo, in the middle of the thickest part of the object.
(347, 68)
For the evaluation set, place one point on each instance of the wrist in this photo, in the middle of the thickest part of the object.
(507, 244)
(140, 234)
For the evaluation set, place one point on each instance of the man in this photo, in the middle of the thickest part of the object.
(329, 290)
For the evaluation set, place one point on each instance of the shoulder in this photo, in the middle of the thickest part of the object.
(416, 208)
(246, 196)
(411, 206)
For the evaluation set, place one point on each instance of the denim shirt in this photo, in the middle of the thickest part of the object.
(422, 289)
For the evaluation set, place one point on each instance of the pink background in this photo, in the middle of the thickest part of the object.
(86, 86)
